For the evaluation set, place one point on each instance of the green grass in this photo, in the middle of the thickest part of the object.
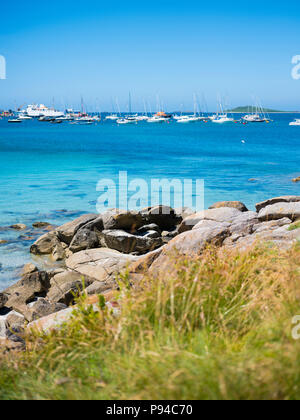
(216, 327)
(294, 226)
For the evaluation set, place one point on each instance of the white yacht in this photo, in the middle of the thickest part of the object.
(256, 114)
(254, 118)
(156, 120)
(126, 121)
(188, 119)
(87, 119)
(67, 117)
(295, 122)
(35, 111)
(142, 118)
(24, 117)
(112, 117)
(221, 119)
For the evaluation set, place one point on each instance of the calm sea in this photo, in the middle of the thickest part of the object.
(49, 172)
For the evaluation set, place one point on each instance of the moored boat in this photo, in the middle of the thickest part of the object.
(14, 121)
(296, 122)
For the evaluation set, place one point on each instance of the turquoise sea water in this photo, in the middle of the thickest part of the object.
(49, 172)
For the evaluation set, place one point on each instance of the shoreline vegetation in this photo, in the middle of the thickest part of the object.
(158, 304)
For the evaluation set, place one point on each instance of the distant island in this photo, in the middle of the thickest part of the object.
(251, 109)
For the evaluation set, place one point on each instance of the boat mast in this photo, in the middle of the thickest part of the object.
(130, 103)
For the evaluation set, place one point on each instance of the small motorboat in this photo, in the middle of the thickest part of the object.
(24, 117)
(126, 121)
(14, 121)
(295, 122)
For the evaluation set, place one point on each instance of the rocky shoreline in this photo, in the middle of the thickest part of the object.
(89, 253)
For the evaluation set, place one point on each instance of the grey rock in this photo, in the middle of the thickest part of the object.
(3, 300)
(18, 226)
(245, 223)
(150, 234)
(184, 212)
(15, 335)
(224, 214)
(40, 225)
(28, 269)
(194, 241)
(283, 199)
(280, 210)
(167, 236)
(45, 244)
(26, 290)
(234, 204)
(67, 231)
(163, 216)
(271, 225)
(122, 220)
(84, 239)
(280, 237)
(95, 225)
(15, 320)
(65, 285)
(10, 320)
(189, 243)
(3, 327)
(58, 253)
(51, 322)
(96, 288)
(210, 224)
(99, 264)
(43, 308)
(127, 243)
(147, 228)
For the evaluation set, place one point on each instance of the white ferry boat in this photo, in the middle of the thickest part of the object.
(36, 111)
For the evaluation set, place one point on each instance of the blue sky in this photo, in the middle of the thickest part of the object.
(57, 51)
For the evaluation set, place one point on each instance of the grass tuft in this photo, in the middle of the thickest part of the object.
(294, 226)
(219, 327)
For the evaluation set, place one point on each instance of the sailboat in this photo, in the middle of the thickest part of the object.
(255, 117)
(258, 115)
(192, 118)
(129, 119)
(114, 116)
(223, 117)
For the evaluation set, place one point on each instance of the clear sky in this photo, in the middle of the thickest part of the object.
(59, 50)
